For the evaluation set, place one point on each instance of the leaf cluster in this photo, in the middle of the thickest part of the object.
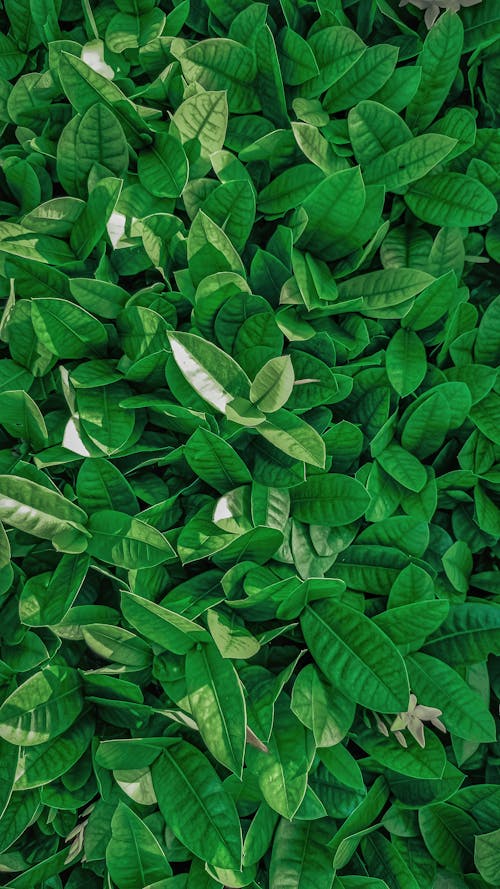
(249, 445)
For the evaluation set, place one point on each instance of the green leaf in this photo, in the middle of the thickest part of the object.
(330, 500)
(232, 206)
(215, 376)
(91, 223)
(163, 168)
(468, 635)
(368, 74)
(102, 418)
(384, 291)
(167, 628)
(134, 856)
(332, 208)
(300, 858)
(22, 418)
(101, 485)
(46, 605)
(486, 855)
(294, 437)
(321, 708)
(451, 199)
(36, 509)
(374, 130)
(288, 189)
(409, 625)
(336, 49)
(84, 87)
(119, 539)
(439, 60)
(217, 705)
(46, 762)
(196, 807)
(20, 812)
(297, 60)
(44, 706)
(385, 861)
(356, 656)
(203, 119)
(215, 461)
(8, 769)
(273, 384)
(448, 834)
(117, 645)
(281, 772)
(347, 838)
(65, 329)
(94, 138)
(426, 763)
(409, 161)
(464, 712)
(223, 64)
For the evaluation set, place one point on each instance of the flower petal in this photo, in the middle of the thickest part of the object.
(416, 728)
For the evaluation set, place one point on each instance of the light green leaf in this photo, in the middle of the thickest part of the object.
(42, 605)
(119, 539)
(44, 706)
(273, 384)
(293, 436)
(46, 762)
(22, 418)
(217, 704)
(213, 374)
(36, 509)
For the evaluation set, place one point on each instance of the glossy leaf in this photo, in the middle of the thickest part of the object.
(355, 656)
(196, 806)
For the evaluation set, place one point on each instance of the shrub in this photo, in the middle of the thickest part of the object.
(249, 445)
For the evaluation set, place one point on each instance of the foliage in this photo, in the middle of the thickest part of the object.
(249, 445)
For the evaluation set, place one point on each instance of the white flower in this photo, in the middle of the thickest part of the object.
(432, 7)
(414, 719)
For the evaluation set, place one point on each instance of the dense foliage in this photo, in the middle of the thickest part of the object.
(249, 444)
